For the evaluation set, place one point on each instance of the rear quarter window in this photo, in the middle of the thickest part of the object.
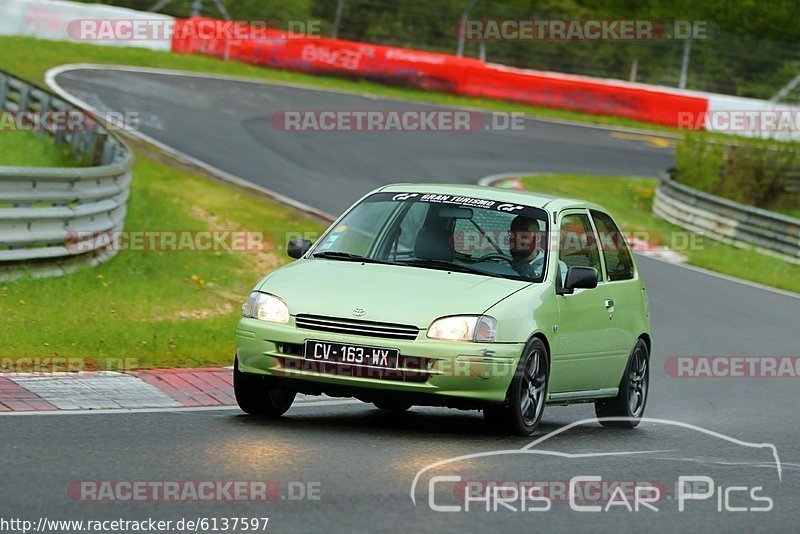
(617, 255)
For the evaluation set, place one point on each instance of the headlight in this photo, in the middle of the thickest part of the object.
(480, 328)
(266, 307)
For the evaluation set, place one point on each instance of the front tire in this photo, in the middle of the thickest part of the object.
(631, 400)
(522, 410)
(255, 396)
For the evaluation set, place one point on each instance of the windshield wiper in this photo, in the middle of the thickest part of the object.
(443, 265)
(345, 256)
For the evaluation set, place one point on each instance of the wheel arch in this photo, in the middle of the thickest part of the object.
(543, 338)
(644, 336)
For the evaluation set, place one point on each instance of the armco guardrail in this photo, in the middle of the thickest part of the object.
(727, 221)
(43, 210)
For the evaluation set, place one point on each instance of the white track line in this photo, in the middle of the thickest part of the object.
(310, 404)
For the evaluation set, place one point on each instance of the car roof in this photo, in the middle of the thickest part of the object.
(499, 194)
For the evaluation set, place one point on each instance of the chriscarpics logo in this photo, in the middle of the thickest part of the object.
(579, 468)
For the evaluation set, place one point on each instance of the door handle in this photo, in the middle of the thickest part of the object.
(609, 304)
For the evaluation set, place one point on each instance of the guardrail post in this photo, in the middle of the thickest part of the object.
(99, 145)
(109, 153)
(44, 108)
(75, 142)
(3, 91)
(24, 98)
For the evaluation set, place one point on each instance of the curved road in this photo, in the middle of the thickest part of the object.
(366, 461)
(227, 124)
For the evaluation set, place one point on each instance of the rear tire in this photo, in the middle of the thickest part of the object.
(522, 410)
(631, 400)
(392, 405)
(255, 396)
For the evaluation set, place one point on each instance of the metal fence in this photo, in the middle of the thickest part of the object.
(44, 212)
(716, 62)
(727, 221)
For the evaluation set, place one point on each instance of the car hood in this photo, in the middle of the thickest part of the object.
(387, 293)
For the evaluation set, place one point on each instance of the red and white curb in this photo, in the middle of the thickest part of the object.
(109, 392)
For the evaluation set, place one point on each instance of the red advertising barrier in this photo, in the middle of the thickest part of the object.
(440, 72)
(581, 94)
(433, 71)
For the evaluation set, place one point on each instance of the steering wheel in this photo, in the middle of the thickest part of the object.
(495, 256)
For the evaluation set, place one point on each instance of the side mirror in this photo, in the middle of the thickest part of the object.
(579, 278)
(298, 247)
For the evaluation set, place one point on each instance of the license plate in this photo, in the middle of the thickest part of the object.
(358, 355)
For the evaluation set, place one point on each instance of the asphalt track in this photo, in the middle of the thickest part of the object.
(366, 461)
(228, 125)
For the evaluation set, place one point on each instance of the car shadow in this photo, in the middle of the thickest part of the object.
(417, 422)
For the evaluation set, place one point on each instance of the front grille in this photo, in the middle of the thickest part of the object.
(411, 369)
(355, 327)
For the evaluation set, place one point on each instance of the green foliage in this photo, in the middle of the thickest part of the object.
(751, 171)
(238, 9)
(26, 149)
(755, 173)
(698, 161)
(431, 18)
(749, 52)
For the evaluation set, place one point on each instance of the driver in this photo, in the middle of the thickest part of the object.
(525, 241)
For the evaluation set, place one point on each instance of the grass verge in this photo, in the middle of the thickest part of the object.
(164, 309)
(27, 149)
(630, 200)
(31, 58)
(152, 308)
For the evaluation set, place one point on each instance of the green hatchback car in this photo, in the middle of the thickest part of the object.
(461, 296)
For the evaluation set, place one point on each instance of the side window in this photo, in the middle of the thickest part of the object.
(619, 263)
(410, 226)
(578, 246)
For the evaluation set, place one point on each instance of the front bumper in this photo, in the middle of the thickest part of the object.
(475, 371)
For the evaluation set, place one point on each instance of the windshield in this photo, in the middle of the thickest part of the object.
(447, 232)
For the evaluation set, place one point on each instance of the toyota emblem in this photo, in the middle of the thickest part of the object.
(359, 312)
